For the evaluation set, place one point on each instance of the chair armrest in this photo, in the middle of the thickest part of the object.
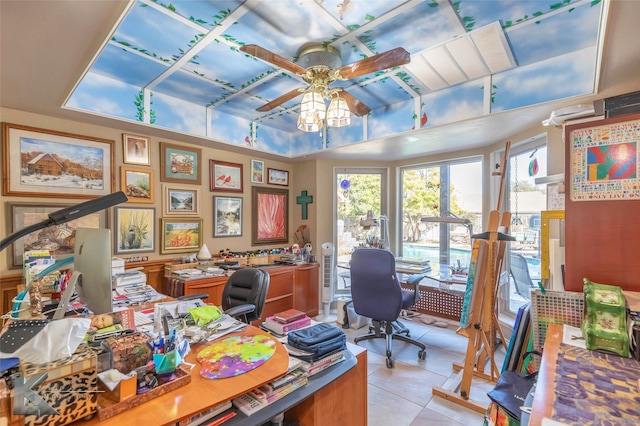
(240, 310)
(414, 280)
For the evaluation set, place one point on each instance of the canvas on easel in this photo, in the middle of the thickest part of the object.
(479, 321)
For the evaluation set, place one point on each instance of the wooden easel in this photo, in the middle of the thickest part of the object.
(482, 325)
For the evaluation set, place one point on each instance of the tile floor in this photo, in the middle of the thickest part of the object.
(402, 396)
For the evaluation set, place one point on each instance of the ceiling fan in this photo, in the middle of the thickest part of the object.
(319, 66)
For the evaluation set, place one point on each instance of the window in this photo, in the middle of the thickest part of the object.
(442, 190)
(358, 191)
(525, 200)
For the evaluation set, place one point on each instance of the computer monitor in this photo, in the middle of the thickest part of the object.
(92, 272)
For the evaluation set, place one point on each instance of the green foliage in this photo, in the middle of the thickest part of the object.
(363, 194)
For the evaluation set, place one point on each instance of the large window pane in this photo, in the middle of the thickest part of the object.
(358, 192)
(451, 190)
(525, 200)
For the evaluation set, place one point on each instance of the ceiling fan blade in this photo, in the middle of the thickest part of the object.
(269, 56)
(280, 100)
(355, 106)
(389, 59)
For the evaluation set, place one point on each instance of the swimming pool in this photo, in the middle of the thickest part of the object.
(432, 253)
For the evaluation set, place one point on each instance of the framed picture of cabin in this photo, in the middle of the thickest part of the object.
(46, 163)
(59, 239)
(137, 184)
(180, 164)
(227, 217)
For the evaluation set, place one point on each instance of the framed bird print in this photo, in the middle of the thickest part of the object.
(134, 229)
(225, 176)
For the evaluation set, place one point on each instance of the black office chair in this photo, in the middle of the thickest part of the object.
(519, 271)
(376, 293)
(244, 294)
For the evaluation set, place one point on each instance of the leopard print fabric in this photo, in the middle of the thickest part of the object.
(67, 388)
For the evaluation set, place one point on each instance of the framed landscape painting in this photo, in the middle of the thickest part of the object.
(278, 177)
(59, 239)
(136, 183)
(46, 163)
(180, 199)
(225, 176)
(181, 235)
(180, 164)
(227, 216)
(270, 216)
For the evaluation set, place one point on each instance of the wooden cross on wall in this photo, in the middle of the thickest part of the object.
(304, 199)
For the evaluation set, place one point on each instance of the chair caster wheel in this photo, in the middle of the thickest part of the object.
(389, 363)
(422, 355)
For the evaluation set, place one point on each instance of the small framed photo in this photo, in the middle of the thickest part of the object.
(181, 235)
(225, 176)
(136, 183)
(257, 171)
(278, 177)
(180, 200)
(227, 216)
(134, 229)
(180, 164)
(136, 149)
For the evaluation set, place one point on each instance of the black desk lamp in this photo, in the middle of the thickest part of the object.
(67, 214)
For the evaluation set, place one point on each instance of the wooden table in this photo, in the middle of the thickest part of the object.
(545, 387)
(201, 393)
(598, 387)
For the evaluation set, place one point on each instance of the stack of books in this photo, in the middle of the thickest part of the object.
(312, 368)
(264, 395)
(412, 265)
(284, 322)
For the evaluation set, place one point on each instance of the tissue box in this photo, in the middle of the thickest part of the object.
(70, 387)
(604, 325)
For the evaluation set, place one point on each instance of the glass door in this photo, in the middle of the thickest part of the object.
(359, 193)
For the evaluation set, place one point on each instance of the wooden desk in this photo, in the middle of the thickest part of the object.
(201, 393)
(337, 395)
(594, 387)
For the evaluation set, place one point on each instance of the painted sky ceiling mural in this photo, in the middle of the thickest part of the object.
(178, 64)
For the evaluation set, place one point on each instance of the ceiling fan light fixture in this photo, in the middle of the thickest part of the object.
(338, 114)
(310, 123)
(312, 105)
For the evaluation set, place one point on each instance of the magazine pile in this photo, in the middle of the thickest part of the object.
(311, 350)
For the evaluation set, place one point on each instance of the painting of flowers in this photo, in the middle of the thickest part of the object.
(181, 235)
(270, 218)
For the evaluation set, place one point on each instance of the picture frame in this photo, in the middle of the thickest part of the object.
(180, 235)
(603, 160)
(227, 216)
(269, 215)
(225, 176)
(134, 230)
(136, 150)
(137, 184)
(47, 163)
(278, 177)
(27, 214)
(257, 171)
(180, 164)
(180, 200)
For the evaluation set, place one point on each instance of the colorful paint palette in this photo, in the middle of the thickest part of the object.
(235, 355)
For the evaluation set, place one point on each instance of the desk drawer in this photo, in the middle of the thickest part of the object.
(280, 284)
